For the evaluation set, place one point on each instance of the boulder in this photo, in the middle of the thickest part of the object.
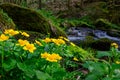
(102, 44)
(31, 20)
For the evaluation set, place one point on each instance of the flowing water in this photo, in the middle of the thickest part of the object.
(77, 34)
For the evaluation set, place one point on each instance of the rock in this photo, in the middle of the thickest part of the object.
(5, 21)
(102, 44)
(31, 20)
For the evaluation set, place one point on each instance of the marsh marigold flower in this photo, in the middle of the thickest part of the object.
(72, 44)
(57, 56)
(117, 62)
(114, 45)
(22, 42)
(75, 59)
(45, 55)
(47, 40)
(64, 38)
(11, 32)
(3, 37)
(29, 47)
(51, 57)
(58, 41)
(38, 43)
(25, 34)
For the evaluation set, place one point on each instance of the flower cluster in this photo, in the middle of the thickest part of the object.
(51, 57)
(27, 45)
(75, 59)
(117, 62)
(115, 45)
(7, 32)
(3, 37)
(11, 32)
(56, 41)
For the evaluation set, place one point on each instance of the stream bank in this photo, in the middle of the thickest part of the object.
(78, 35)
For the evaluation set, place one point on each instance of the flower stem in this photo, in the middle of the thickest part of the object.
(2, 60)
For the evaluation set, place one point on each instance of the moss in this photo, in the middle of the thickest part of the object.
(31, 20)
(102, 44)
(5, 21)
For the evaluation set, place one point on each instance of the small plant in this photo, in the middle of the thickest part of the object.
(106, 67)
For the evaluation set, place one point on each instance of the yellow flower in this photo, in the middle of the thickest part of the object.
(45, 55)
(22, 42)
(72, 44)
(11, 32)
(117, 62)
(47, 40)
(38, 43)
(75, 59)
(25, 34)
(3, 37)
(61, 37)
(51, 57)
(58, 41)
(56, 56)
(29, 47)
(114, 45)
(66, 39)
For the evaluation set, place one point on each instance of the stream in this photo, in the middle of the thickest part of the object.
(77, 34)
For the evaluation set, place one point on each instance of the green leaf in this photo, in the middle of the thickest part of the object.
(22, 66)
(101, 54)
(106, 78)
(115, 66)
(26, 69)
(42, 76)
(91, 77)
(10, 64)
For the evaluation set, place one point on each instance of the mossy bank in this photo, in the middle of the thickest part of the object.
(31, 20)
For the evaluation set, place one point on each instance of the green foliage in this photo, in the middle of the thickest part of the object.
(18, 62)
(105, 24)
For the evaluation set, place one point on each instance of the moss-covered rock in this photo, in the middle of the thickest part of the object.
(102, 44)
(31, 20)
(5, 21)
